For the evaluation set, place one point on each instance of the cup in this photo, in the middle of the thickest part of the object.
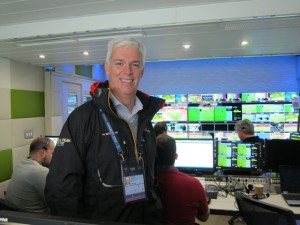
(258, 189)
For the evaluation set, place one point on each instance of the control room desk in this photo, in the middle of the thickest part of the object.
(228, 206)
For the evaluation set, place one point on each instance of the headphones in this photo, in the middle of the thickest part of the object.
(45, 145)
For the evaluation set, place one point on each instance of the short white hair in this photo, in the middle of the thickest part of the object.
(125, 42)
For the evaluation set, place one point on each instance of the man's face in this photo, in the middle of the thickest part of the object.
(241, 135)
(48, 154)
(125, 70)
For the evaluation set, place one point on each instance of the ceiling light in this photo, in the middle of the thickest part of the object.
(85, 53)
(42, 56)
(244, 43)
(186, 46)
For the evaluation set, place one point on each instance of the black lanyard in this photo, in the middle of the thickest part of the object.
(113, 136)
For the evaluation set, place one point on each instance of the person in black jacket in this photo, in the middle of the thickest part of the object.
(106, 143)
(245, 130)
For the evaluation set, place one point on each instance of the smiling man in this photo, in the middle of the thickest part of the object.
(107, 142)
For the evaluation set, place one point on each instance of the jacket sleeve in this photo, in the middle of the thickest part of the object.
(64, 183)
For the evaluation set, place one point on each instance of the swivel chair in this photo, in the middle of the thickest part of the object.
(256, 212)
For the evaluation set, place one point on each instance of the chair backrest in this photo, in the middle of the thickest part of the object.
(4, 205)
(256, 212)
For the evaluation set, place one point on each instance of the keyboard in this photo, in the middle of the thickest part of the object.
(291, 196)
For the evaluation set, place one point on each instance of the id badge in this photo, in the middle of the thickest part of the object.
(133, 180)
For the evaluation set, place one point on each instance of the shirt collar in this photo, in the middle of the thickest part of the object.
(137, 103)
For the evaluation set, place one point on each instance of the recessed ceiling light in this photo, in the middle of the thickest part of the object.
(42, 56)
(244, 43)
(186, 46)
(85, 53)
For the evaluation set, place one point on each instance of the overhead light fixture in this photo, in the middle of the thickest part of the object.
(41, 56)
(75, 37)
(35, 43)
(85, 53)
(106, 36)
(244, 43)
(186, 46)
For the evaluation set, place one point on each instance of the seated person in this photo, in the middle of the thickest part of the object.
(183, 196)
(160, 128)
(25, 191)
(245, 130)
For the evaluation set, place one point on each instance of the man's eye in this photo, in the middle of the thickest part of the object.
(136, 65)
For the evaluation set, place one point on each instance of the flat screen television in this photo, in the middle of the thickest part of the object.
(235, 157)
(53, 138)
(281, 152)
(195, 156)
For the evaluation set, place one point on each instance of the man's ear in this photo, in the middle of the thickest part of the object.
(106, 67)
(176, 156)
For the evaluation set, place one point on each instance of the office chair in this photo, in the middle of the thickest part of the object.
(4, 206)
(256, 212)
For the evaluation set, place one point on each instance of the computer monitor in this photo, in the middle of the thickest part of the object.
(295, 136)
(235, 157)
(195, 156)
(281, 152)
(53, 138)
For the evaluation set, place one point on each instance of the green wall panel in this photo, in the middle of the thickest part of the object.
(6, 164)
(26, 104)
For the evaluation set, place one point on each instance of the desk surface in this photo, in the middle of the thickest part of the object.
(227, 205)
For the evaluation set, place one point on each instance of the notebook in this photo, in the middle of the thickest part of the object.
(290, 184)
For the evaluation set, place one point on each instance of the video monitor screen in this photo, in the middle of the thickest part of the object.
(295, 136)
(194, 98)
(223, 113)
(262, 127)
(291, 117)
(199, 113)
(277, 96)
(290, 127)
(195, 156)
(174, 113)
(279, 136)
(158, 117)
(290, 95)
(233, 97)
(178, 130)
(207, 97)
(220, 97)
(53, 138)
(169, 98)
(235, 155)
(181, 98)
(255, 97)
(281, 152)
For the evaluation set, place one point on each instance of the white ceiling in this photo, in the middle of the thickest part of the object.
(214, 28)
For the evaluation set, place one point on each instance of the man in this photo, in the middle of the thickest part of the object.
(183, 196)
(106, 142)
(245, 130)
(25, 191)
(160, 128)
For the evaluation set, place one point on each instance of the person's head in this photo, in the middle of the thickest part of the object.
(124, 65)
(41, 150)
(244, 128)
(166, 150)
(160, 128)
